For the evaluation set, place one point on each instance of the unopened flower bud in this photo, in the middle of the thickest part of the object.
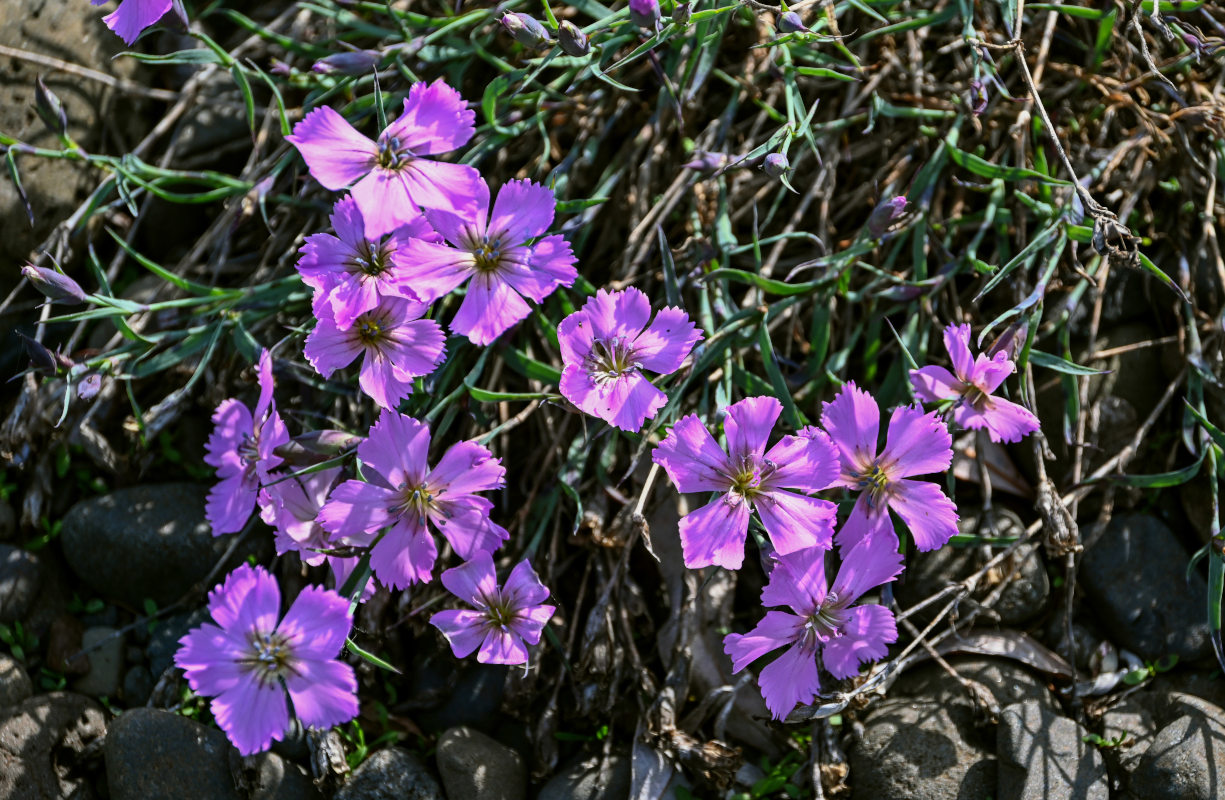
(706, 161)
(315, 446)
(776, 165)
(978, 97)
(89, 385)
(41, 359)
(573, 42)
(885, 214)
(681, 13)
(50, 109)
(353, 62)
(645, 13)
(790, 22)
(54, 286)
(526, 29)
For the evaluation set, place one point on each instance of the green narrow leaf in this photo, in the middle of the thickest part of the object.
(672, 292)
(984, 168)
(529, 367)
(781, 390)
(1048, 361)
(1152, 268)
(248, 98)
(371, 657)
(770, 285)
(1160, 480)
(11, 159)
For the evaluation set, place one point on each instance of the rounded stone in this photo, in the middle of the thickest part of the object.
(391, 774)
(20, 579)
(153, 754)
(478, 766)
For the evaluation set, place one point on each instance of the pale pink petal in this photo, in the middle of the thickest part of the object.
(576, 338)
(551, 265)
(385, 201)
(435, 184)
(209, 657)
(789, 680)
(434, 270)
(133, 16)
(400, 560)
(523, 587)
(631, 400)
(692, 458)
(464, 630)
(397, 449)
(875, 560)
(473, 532)
(348, 223)
(715, 534)
(918, 444)
(776, 629)
(933, 384)
(957, 342)
(795, 522)
(435, 119)
(465, 468)
(667, 342)
(489, 309)
(249, 600)
(502, 647)
(1007, 421)
(382, 382)
(798, 581)
(334, 151)
(927, 511)
(317, 623)
(252, 715)
(852, 420)
(232, 423)
(748, 425)
(474, 581)
(229, 504)
(807, 462)
(990, 373)
(328, 348)
(523, 211)
(266, 385)
(418, 347)
(525, 276)
(324, 693)
(356, 510)
(529, 624)
(865, 521)
(866, 636)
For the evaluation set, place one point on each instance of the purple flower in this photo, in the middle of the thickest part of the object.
(606, 346)
(496, 255)
(644, 13)
(885, 214)
(241, 449)
(917, 444)
(971, 388)
(403, 492)
(133, 16)
(750, 478)
(391, 175)
(396, 343)
(351, 271)
(243, 660)
(505, 621)
(55, 286)
(824, 622)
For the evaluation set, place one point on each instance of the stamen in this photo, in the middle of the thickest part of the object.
(392, 154)
(610, 359)
(368, 330)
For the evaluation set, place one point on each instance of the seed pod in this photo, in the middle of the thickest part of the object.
(353, 63)
(790, 22)
(54, 286)
(526, 29)
(776, 165)
(573, 41)
(645, 13)
(50, 109)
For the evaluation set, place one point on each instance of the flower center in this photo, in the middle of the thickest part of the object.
(499, 612)
(826, 622)
(975, 397)
(368, 330)
(749, 475)
(417, 500)
(610, 359)
(270, 657)
(392, 154)
(875, 482)
(371, 259)
(487, 254)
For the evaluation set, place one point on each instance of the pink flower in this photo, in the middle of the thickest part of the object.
(133, 16)
(606, 346)
(917, 444)
(243, 660)
(350, 271)
(396, 343)
(493, 251)
(824, 622)
(505, 621)
(971, 388)
(749, 478)
(241, 448)
(392, 177)
(405, 493)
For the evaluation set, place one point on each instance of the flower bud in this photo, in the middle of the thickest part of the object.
(527, 30)
(790, 22)
(89, 385)
(645, 13)
(706, 161)
(50, 109)
(681, 13)
(315, 446)
(41, 359)
(978, 97)
(776, 165)
(353, 63)
(54, 286)
(573, 41)
(885, 214)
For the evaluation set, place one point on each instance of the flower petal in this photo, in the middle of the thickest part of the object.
(252, 715)
(852, 420)
(465, 468)
(1007, 421)
(249, 600)
(715, 534)
(807, 461)
(795, 522)
(438, 185)
(523, 587)
(229, 504)
(776, 629)
(397, 448)
(692, 458)
(927, 511)
(866, 636)
(334, 151)
(749, 423)
(474, 581)
(356, 510)
(522, 211)
(918, 444)
(875, 560)
(469, 529)
(797, 581)
(434, 270)
(502, 647)
(324, 693)
(957, 342)
(667, 342)
(865, 521)
(435, 119)
(464, 630)
(404, 556)
(317, 623)
(789, 680)
(933, 384)
(489, 309)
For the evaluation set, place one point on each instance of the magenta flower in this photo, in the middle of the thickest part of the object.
(749, 478)
(971, 388)
(403, 492)
(505, 621)
(918, 444)
(824, 622)
(133, 16)
(391, 175)
(607, 344)
(493, 251)
(243, 660)
(396, 343)
(241, 448)
(350, 271)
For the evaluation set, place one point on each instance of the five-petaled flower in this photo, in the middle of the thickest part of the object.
(749, 477)
(396, 343)
(505, 621)
(247, 660)
(971, 387)
(405, 493)
(241, 448)
(917, 444)
(133, 16)
(493, 250)
(351, 271)
(824, 622)
(607, 344)
(392, 175)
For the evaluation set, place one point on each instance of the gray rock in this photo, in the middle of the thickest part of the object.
(391, 774)
(477, 766)
(273, 778)
(585, 780)
(105, 663)
(15, 684)
(147, 541)
(42, 745)
(1131, 725)
(164, 640)
(474, 700)
(1042, 756)
(921, 750)
(1186, 760)
(153, 754)
(138, 684)
(1135, 575)
(1006, 681)
(8, 521)
(20, 579)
